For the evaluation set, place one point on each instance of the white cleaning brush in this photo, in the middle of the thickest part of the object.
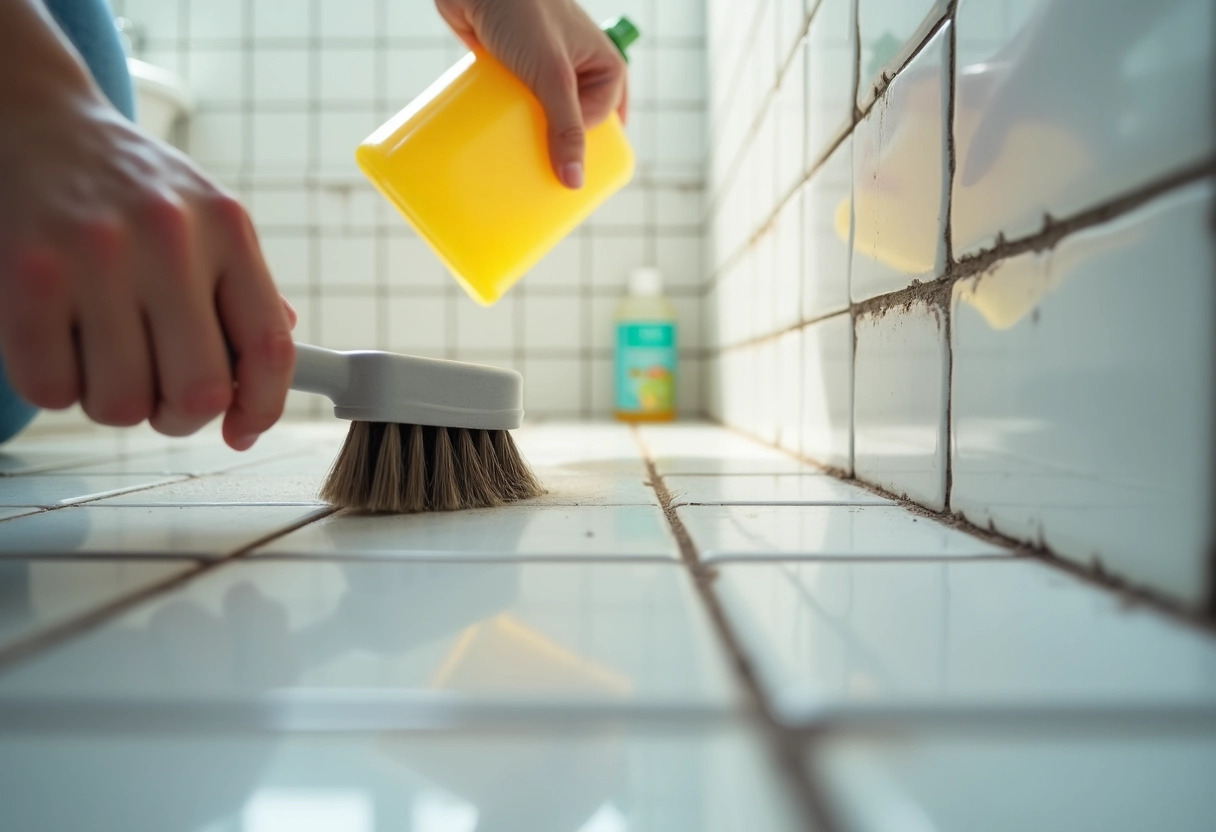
(425, 434)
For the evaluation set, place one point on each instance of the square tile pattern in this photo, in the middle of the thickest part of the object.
(544, 665)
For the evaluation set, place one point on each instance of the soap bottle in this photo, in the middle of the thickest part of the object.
(467, 164)
(646, 346)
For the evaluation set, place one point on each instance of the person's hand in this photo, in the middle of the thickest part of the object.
(571, 66)
(126, 275)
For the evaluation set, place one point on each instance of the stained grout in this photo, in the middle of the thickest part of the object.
(39, 642)
(787, 749)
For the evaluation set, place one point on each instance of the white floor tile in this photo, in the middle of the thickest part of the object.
(35, 595)
(568, 488)
(165, 531)
(506, 533)
(781, 489)
(981, 632)
(228, 489)
(824, 532)
(589, 634)
(50, 490)
(599, 781)
(710, 449)
(1007, 783)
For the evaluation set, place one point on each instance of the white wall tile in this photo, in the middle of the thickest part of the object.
(764, 286)
(347, 323)
(679, 19)
(681, 142)
(826, 388)
(348, 76)
(831, 74)
(789, 391)
(416, 20)
(625, 209)
(678, 256)
(287, 206)
(553, 385)
(347, 260)
(890, 30)
(1082, 410)
(899, 395)
(340, 134)
(486, 328)
(347, 18)
(765, 415)
(828, 248)
(679, 75)
(280, 18)
(412, 70)
(216, 140)
(1091, 112)
(280, 141)
(612, 258)
(679, 207)
(412, 263)
(790, 124)
(791, 24)
(217, 75)
(552, 322)
(281, 75)
(217, 20)
(417, 325)
(288, 257)
(899, 164)
(562, 266)
(788, 281)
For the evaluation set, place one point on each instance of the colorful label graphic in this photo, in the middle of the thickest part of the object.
(645, 367)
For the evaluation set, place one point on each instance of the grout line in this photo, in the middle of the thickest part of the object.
(25, 648)
(1130, 594)
(786, 747)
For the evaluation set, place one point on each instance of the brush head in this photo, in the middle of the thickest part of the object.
(398, 469)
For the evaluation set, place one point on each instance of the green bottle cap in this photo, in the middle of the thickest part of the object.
(622, 32)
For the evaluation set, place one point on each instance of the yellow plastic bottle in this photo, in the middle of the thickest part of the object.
(467, 163)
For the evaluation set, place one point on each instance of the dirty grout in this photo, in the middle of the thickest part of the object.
(43, 640)
(787, 748)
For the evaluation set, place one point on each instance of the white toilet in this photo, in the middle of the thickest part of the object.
(161, 98)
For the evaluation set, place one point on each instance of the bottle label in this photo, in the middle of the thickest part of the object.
(645, 367)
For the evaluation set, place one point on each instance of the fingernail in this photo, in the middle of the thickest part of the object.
(572, 174)
(244, 443)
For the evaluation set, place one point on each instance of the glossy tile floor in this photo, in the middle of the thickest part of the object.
(189, 640)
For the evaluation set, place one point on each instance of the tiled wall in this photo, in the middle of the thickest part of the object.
(964, 251)
(287, 88)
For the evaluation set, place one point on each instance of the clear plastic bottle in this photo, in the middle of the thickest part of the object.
(646, 349)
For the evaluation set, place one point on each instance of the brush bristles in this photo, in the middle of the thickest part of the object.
(428, 469)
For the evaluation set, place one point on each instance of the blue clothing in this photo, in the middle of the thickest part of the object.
(89, 25)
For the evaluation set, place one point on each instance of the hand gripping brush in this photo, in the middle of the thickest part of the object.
(425, 434)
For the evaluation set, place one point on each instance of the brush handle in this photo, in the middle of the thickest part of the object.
(323, 371)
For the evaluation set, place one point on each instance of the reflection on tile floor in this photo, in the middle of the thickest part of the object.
(590, 633)
(818, 531)
(606, 781)
(577, 605)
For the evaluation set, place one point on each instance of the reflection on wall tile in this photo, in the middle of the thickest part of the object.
(899, 402)
(890, 31)
(899, 156)
(790, 124)
(827, 392)
(789, 378)
(831, 74)
(1095, 108)
(827, 250)
(1072, 429)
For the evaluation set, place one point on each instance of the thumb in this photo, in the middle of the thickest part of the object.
(557, 91)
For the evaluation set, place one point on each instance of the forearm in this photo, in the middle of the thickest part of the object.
(35, 57)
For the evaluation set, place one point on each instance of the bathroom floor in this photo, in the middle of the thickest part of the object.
(189, 640)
